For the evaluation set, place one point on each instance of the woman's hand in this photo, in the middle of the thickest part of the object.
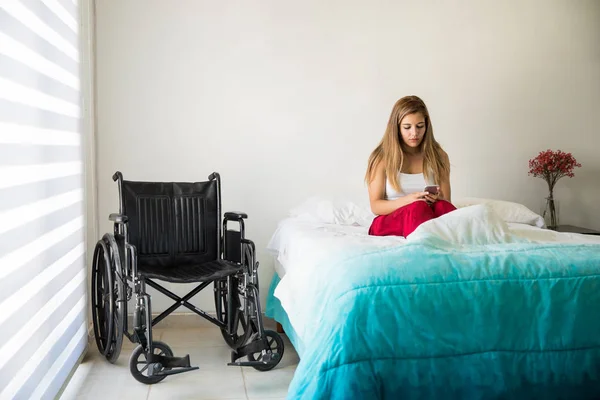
(431, 198)
(418, 196)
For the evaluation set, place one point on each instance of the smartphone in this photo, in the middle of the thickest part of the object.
(433, 189)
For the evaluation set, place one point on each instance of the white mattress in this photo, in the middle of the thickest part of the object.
(279, 268)
(297, 240)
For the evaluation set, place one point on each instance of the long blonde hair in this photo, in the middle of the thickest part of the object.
(390, 149)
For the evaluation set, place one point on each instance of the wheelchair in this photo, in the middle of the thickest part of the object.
(171, 231)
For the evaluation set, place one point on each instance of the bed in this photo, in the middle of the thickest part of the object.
(480, 303)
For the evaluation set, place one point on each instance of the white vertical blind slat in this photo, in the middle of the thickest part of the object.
(39, 142)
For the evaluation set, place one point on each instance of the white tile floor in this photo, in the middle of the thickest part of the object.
(96, 378)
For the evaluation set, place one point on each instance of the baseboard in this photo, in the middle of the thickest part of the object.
(191, 321)
(183, 321)
(90, 333)
(178, 320)
(72, 372)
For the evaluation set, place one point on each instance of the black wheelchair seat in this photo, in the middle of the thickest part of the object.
(208, 271)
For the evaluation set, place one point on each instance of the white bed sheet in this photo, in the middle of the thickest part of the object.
(298, 241)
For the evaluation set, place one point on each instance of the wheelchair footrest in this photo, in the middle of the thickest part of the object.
(176, 371)
(255, 347)
(171, 365)
(173, 362)
(267, 359)
(246, 363)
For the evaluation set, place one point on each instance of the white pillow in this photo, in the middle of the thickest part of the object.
(341, 212)
(507, 210)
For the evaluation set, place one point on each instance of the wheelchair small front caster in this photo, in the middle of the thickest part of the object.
(138, 365)
(274, 352)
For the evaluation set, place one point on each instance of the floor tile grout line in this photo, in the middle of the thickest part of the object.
(244, 380)
(150, 386)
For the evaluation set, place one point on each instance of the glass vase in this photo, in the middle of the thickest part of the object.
(550, 213)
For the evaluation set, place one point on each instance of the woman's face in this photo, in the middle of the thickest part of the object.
(412, 129)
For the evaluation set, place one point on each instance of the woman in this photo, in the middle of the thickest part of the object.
(407, 159)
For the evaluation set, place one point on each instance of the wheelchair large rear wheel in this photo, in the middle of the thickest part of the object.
(107, 291)
(242, 329)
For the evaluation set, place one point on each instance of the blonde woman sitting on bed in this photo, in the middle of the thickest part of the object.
(406, 161)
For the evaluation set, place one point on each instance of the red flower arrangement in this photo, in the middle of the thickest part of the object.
(551, 166)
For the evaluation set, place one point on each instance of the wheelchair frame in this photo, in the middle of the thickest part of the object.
(115, 279)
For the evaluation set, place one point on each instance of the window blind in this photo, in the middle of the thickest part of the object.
(42, 252)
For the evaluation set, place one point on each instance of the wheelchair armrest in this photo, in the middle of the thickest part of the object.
(118, 218)
(235, 216)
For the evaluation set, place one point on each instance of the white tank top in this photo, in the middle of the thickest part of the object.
(409, 183)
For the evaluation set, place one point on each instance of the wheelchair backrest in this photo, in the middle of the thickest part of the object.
(173, 224)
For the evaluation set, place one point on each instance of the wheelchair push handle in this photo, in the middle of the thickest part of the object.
(213, 176)
(118, 176)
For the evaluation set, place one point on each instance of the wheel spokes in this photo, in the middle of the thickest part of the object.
(155, 350)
